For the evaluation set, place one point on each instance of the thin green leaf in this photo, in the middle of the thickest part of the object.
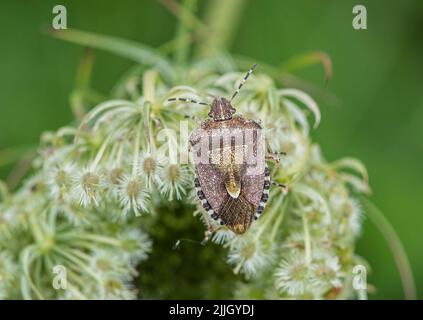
(353, 164)
(27, 284)
(13, 154)
(272, 95)
(181, 55)
(306, 100)
(298, 115)
(314, 196)
(359, 185)
(121, 47)
(308, 59)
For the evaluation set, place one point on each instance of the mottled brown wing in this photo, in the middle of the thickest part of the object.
(254, 174)
(212, 185)
(237, 213)
(252, 188)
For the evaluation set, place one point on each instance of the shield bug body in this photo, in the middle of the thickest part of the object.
(232, 180)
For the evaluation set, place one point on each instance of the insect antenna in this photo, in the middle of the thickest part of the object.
(189, 101)
(243, 81)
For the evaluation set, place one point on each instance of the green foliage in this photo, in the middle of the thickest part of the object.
(103, 197)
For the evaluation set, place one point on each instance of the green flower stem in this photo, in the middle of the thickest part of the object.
(222, 19)
(274, 210)
(120, 153)
(396, 247)
(306, 240)
(85, 245)
(147, 127)
(239, 266)
(87, 236)
(36, 229)
(82, 84)
(79, 254)
(137, 149)
(124, 48)
(174, 44)
(182, 52)
(279, 220)
(27, 257)
(100, 152)
(77, 262)
(149, 85)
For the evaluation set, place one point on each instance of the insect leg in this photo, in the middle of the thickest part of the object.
(211, 228)
(271, 155)
(209, 232)
(280, 185)
(278, 153)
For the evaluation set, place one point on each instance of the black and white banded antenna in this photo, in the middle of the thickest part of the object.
(189, 101)
(243, 81)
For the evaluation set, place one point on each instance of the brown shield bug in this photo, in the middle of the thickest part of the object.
(232, 180)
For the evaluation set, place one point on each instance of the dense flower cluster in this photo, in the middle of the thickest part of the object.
(84, 205)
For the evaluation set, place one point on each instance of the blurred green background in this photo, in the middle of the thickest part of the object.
(375, 113)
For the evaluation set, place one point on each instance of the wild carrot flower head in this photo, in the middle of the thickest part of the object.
(174, 179)
(133, 196)
(87, 187)
(125, 157)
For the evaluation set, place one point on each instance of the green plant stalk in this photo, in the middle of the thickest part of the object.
(308, 59)
(182, 52)
(396, 247)
(82, 84)
(222, 19)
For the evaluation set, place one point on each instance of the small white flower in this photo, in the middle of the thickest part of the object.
(87, 187)
(60, 182)
(223, 236)
(136, 244)
(292, 275)
(247, 257)
(114, 288)
(325, 272)
(295, 145)
(112, 179)
(132, 194)
(115, 175)
(149, 167)
(112, 262)
(173, 181)
(295, 240)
